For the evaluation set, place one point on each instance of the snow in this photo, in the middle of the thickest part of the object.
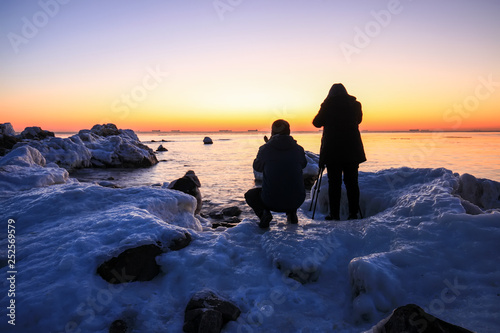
(102, 146)
(25, 167)
(416, 244)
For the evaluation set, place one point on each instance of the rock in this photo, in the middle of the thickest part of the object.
(103, 146)
(180, 243)
(224, 224)
(413, 319)
(7, 129)
(231, 211)
(111, 147)
(189, 184)
(69, 153)
(7, 142)
(207, 141)
(105, 130)
(203, 320)
(24, 156)
(216, 215)
(136, 264)
(483, 193)
(36, 133)
(208, 312)
(161, 148)
(108, 184)
(118, 326)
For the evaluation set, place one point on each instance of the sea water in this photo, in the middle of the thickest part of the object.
(225, 167)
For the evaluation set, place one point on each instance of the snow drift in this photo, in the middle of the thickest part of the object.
(417, 244)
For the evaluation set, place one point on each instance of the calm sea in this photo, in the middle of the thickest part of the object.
(225, 167)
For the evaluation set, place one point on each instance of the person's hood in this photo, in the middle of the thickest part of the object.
(282, 142)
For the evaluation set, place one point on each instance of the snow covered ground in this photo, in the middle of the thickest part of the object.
(416, 244)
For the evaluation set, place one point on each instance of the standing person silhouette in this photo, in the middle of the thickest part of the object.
(341, 147)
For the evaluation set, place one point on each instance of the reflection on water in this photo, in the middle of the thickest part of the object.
(225, 167)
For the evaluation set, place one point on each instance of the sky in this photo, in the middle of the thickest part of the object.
(201, 65)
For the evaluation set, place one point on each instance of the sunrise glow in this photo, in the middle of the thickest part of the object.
(178, 65)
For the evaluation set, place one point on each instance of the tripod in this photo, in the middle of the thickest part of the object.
(316, 191)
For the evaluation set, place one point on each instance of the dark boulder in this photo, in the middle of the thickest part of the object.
(7, 142)
(136, 264)
(413, 319)
(105, 130)
(180, 243)
(161, 148)
(118, 326)
(231, 211)
(36, 133)
(208, 312)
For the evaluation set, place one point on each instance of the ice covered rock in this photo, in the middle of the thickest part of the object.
(136, 264)
(111, 147)
(24, 157)
(102, 146)
(69, 153)
(375, 286)
(25, 167)
(7, 138)
(413, 319)
(7, 129)
(180, 242)
(207, 140)
(36, 133)
(105, 130)
(483, 193)
(208, 312)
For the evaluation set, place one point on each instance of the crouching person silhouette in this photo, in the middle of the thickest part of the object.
(281, 161)
(341, 147)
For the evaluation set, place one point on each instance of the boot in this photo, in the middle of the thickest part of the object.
(291, 217)
(265, 219)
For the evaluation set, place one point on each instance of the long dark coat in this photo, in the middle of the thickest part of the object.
(341, 142)
(281, 161)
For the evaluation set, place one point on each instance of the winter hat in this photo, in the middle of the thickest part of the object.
(281, 127)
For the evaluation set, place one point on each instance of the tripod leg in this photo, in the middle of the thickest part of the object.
(317, 194)
(315, 190)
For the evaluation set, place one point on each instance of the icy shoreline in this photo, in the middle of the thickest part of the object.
(429, 237)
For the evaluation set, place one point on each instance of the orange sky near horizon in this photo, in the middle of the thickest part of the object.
(183, 66)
